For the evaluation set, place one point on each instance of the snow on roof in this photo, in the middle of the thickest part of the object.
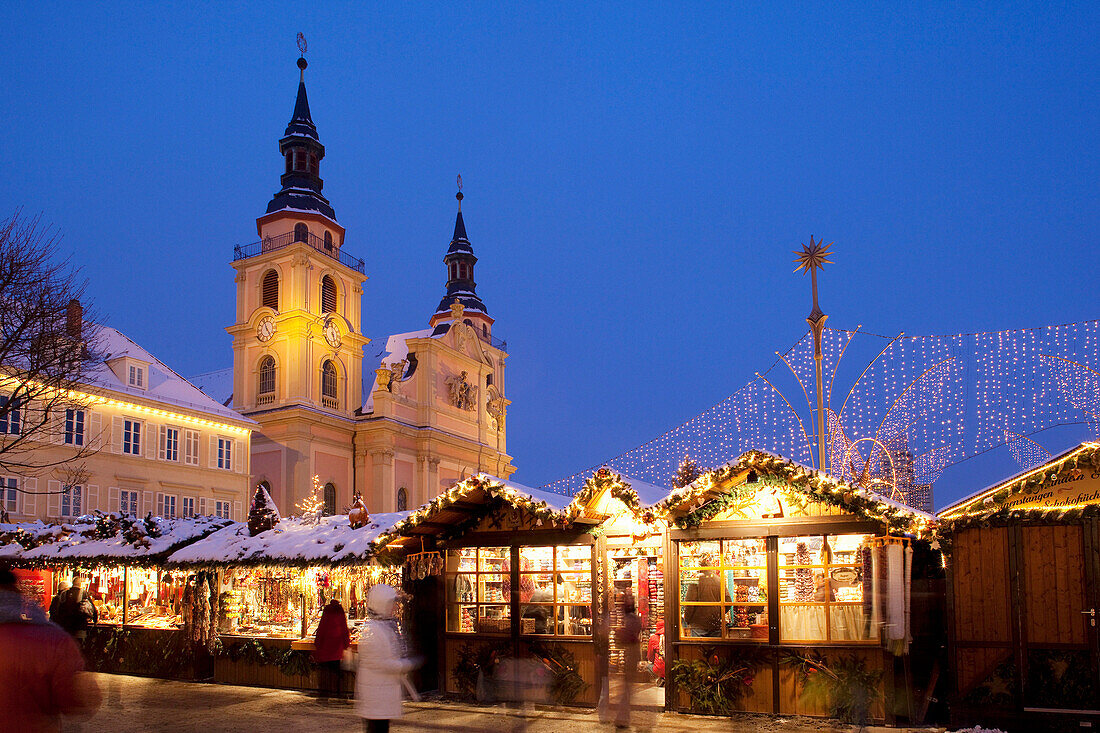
(217, 384)
(291, 541)
(162, 385)
(395, 350)
(76, 541)
(557, 502)
(648, 494)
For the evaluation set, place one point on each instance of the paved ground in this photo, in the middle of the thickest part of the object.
(142, 704)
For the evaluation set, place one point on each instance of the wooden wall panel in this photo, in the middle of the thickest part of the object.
(976, 664)
(1054, 584)
(981, 586)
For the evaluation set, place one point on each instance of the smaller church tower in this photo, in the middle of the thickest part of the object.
(461, 287)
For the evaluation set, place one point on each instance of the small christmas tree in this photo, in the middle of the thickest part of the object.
(803, 577)
(313, 506)
(687, 472)
(263, 514)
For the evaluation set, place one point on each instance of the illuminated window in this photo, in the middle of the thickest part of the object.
(478, 598)
(555, 590)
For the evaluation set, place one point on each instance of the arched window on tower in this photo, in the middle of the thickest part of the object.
(328, 294)
(328, 240)
(301, 232)
(330, 500)
(328, 384)
(402, 499)
(267, 376)
(452, 271)
(270, 290)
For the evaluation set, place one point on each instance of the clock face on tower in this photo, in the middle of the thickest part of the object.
(332, 334)
(266, 329)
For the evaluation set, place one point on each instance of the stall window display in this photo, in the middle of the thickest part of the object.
(724, 589)
(144, 597)
(286, 603)
(478, 581)
(821, 588)
(555, 590)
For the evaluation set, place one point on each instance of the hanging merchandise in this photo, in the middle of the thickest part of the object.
(423, 564)
(803, 576)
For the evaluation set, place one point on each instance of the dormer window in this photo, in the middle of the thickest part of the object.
(137, 377)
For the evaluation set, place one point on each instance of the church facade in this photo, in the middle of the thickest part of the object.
(397, 432)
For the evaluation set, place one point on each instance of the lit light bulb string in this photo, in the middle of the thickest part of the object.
(940, 399)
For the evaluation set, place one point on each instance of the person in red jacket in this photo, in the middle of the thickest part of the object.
(329, 644)
(656, 652)
(41, 670)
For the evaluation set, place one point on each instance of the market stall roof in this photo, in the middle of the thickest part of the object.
(293, 541)
(104, 539)
(592, 501)
(1066, 487)
(714, 486)
(462, 505)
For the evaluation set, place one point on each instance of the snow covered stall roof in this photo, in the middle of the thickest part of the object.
(293, 541)
(105, 539)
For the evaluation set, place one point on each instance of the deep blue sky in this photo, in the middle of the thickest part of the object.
(636, 176)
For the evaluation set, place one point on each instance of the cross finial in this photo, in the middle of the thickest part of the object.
(459, 194)
(302, 58)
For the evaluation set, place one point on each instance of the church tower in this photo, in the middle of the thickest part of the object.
(297, 339)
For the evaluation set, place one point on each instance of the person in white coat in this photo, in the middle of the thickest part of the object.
(383, 663)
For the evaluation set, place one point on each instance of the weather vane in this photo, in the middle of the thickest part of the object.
(811, 259)
(301, 44)
(459, 194)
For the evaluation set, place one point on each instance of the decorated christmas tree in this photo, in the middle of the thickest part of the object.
(313, 506)
(263, 514)
(687, 472)
(803, 576)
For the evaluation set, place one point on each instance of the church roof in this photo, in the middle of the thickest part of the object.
(301, 123)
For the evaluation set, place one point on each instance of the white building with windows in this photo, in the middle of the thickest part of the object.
(148, 441)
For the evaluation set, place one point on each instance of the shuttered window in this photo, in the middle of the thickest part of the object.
(328, 295)
(271, 290)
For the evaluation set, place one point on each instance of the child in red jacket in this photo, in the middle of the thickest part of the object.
(656, 653)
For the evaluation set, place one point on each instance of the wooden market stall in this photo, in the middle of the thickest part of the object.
(273, 582)
(1023, 564)
(791, 588)
(524, 577)
(142, 609)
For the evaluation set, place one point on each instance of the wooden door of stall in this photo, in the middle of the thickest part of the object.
(1022, 636)
(1058, 630)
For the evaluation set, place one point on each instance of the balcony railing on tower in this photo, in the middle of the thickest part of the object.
(270, 244)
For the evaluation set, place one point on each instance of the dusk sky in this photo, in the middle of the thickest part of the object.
(636, 177)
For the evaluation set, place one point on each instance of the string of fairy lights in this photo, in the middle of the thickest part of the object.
(899, 409)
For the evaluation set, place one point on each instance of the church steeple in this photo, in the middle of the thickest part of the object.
(303, 151)
(460, 262)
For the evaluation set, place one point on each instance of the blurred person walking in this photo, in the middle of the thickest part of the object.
(41, 670)
(629, 638)
(73, 610)
(383, 663)
(330, 642)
